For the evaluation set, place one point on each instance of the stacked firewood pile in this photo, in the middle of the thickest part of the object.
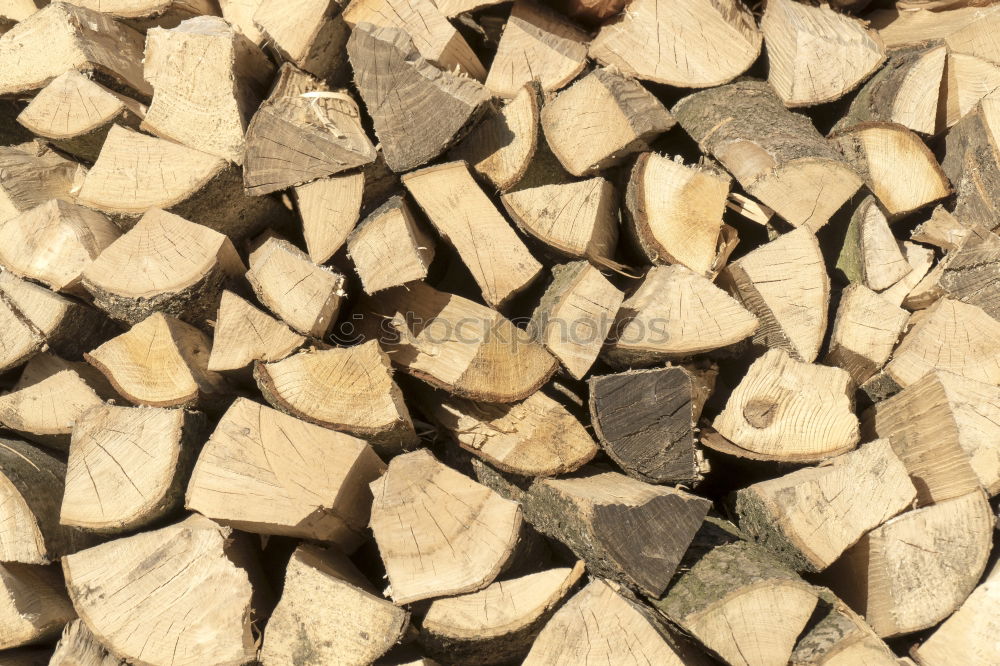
(478, 332)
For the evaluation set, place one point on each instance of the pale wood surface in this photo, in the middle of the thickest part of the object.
(78, 647)
(308, 33)
(871, 255)
(33, 604)
(45, 411)
(390, 248)
(30, 178)
(329, 208)
(865, 332)
(244, 334)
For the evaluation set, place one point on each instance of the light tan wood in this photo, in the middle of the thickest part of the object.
(329, 613)
(942, 229)
(78, 647)
(33, 604)
(602, 119)
(244, 334)
(169, 596)
(865, 332)
(240, 13)
(790, 410)
(390, 248)
(841, 637)
(329, 209)
(967, 272)
(452, 8)
(310, 34)
(18, 10)
(697, 45)
(920, 259)
(966, 30)
(30, 177)
(467, 532)
(968, 80)
(749, 209)
(19, 338)
(266, 472)
(972, 164)
(146, 14)
(871, 255)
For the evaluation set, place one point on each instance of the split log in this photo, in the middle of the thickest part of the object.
(309, 34)
(622, 118)
(244, 334)
(128, 466)
(389, 248)
(777, 156)
(458, 208)
(161, 362)
(348, 389)
(204, 101)
(968, 80)
(31, 486)
(329, 209)
(675, 314)
(356, 624)
(920, 259)
(972, 163)
(784, 283)
(865, 332)
(30, 177)
(840, 636)
(967, 30)
(20, 340)
(75, 113)
(625, 530)
(698, 45)
(176, 595)
(392, 77)
(870, 254)
(33, 604)
(498, 624)
(266, 472)
(78, 647)
(943, 230)
(145, 14)
(968, 273)
(645, 421)
(305, 296)
(792, 411)
(60, 37)
(240, 13)
(474, 535)
(809, 517)
(749, 209)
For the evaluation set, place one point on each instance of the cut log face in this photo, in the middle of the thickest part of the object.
(60, 37)
(968, 80)
(78, 647)
(161, 362)
(674, 314)
(622, 118)
(266, 472)
(389, 248)
(943, 230)
(329, 208)
(785, 285)
(920, 259)
(790, 410)
(240, 13)
(972, 163)
(305, 296)
(915, 570)
(244, 334)
(865, 332)
(700, 44)
(964, 30)
(308, 33)
(777, 156)
(969, 273)
(498, 624)
(537, 45)
(46, 410)
(171, 596)
(390, 76)
(809, 517)
(803, 41)
(356, 625)
(29, 179)
(19, 338)
(474, 536)
(841, 637)
(163, 264)
(871, 254)
(33, 604)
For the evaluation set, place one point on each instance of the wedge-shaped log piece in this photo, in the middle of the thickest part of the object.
(972, 163)
(30, 177)
(209, 79)
(354, 625)
(920, 259)
(329, 209)
(697, 45)
(942, 229)
(467, 532)
(865, 331)
(19, 338)
(790, 410)
(840, 636)
(390, 248)
(31, 485)
(968, 80)
(266, 472)
(871, 255)
(785, 284)
(349, 389)
(78, 647)
(602, 119)
(676, 313)
(967, 30)
(776, 155)
(244, 334)
(461, 346)
(63, 36)
(970, 273)
(915, 570)
(418, 110)
(176, 595)
(144, 14)
(310, 34)
(33, 604)
(161, 362)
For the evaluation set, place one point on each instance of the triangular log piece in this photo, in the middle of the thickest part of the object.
(968, 80)
(916, 569)
(78, 647)
(19, 338)
(601, 120)
(208, 80)
(675, 314)
(803, 177)
(161, 362)
(176, 595)
(439, 532)
(30, 178)
(791, 411)
(46, 364)
(865, 332)
(75, 114)
(920, 259)
(972, 164)
(841, 636)
(871, 255)
(809, 517)
(348, 389)
(645, 421)
(240, 13)
(699, 44)
(785, 284)
(968, 29)
(391, 78)
(329, 209)
(305, 296)
(329, 613)
(942, 229)
(266, 472)
(969, 273)
(390, 248)
(33, 604)
(146, 14)
(310, 34)
(128, 466)
(626, 530)
(31, 487)
(462, 213)
(244, 334)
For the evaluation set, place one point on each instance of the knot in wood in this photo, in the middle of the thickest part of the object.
(760, 413)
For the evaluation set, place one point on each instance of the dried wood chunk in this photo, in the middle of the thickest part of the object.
(865, 332)
(968, 30)
(920, 259)
(390, 248)
(244, 334)
(943, 230)
(29, 178)
(871, 255)
(972, 164)
(310, 34)
(78, 647)
(841, 636)
(144, 14)
(329, 208)
(33, 604)
(970, 272)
